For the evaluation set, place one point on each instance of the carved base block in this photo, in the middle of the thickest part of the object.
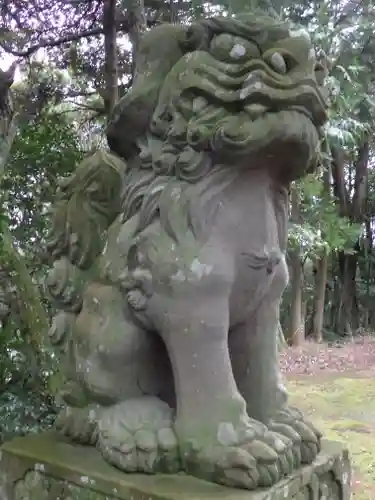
(47, 467)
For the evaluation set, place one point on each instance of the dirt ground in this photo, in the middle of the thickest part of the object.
(335, 386)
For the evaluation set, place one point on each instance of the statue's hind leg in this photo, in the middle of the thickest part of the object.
(253, 349)
(217, 439)
(125, 373)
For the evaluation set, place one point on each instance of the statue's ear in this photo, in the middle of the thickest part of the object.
(159, 50)
(7, 76)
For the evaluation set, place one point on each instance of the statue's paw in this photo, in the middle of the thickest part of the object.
(137, 436)
(305, 437)
(248, 457)
(79, 424)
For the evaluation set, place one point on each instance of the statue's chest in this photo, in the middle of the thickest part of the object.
(257, 276)
(248, 219)
(252, 225)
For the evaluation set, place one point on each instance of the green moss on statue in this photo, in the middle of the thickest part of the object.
(49, 467)
(171, 336)
(37, 486)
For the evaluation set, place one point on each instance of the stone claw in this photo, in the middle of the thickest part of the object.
(257, 458)
(303, 434)
(137, 436)
(79, 424)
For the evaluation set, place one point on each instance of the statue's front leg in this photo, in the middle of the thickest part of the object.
(254, 355)
(217, 439)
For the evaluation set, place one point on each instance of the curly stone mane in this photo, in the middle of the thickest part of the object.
(201, 109)
(222, 93)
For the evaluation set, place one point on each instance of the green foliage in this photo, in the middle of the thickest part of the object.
(6, 143)
(23, 384)
(351, 114)
(43, 149)
(322, 229)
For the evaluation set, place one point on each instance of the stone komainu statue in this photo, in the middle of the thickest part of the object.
(170, 256)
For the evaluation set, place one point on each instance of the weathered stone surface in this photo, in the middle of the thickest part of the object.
(47, 467)
(170, 256)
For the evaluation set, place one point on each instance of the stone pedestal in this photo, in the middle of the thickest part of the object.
(47, 467)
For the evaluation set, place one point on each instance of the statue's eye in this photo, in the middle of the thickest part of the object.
(280, 62)
(233, 49)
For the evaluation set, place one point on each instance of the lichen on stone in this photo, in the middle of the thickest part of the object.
(174, 239)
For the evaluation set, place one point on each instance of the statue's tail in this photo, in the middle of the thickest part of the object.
(87, 203)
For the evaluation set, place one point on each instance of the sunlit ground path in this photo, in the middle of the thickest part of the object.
(336, 387)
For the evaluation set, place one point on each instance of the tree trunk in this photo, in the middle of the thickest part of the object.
(110, 49)
(7, 116)
(321, 270)
(339, 186)
(296, 334)
(347, 317)
(138, 25)
(282, 344)
(368, 255)
(345, 320)
(360, 183)
(319, 299)
(297, 325)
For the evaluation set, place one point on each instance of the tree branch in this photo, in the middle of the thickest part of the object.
(124, 23)
(350, 9)
(110, 51)
(54, 43)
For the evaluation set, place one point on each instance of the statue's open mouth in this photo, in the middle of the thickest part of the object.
(261, 95)
(255, 111)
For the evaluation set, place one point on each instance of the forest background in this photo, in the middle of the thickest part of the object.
(75, 58)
